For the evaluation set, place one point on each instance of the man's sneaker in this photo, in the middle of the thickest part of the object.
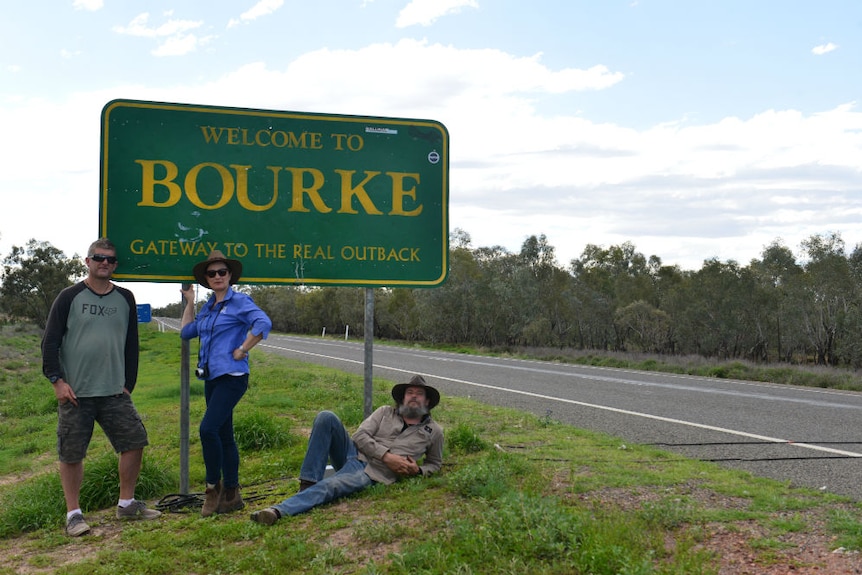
(76, 526)
(266, 516)
(137, 510)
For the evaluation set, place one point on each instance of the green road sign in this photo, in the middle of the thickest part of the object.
(299, 198)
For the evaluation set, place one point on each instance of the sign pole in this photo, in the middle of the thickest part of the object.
(369, 345)
(184, 407)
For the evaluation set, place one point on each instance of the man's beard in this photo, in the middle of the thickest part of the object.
(413, 412)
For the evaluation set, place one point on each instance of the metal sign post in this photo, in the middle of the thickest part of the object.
(185, 405)
(368, 406)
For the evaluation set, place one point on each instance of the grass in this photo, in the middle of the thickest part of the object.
(517, 493)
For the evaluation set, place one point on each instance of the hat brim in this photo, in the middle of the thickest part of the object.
(200, 270)
(431, 394)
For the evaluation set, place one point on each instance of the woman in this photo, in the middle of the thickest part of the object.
(228, 325)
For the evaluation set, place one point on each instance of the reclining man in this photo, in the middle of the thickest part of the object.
(388, 445)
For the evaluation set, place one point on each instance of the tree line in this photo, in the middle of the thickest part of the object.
(777, 308)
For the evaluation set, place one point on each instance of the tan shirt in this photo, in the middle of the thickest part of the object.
(384, 430)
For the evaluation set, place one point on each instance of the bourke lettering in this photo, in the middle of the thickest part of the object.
(307, 189)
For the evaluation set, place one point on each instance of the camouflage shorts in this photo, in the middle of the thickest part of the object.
(116, 415)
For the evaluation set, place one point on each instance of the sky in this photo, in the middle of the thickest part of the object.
(694, 129)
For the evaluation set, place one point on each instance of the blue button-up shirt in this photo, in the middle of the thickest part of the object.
(222, 327)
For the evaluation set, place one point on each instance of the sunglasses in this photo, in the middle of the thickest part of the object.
(222, 272)
(103, 258)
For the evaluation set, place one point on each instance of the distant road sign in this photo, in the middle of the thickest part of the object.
(144, 313)
(299, 198)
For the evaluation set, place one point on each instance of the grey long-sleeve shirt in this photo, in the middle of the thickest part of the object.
(91, 341)
(384, 430)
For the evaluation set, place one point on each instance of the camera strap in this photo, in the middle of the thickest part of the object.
(215, 314)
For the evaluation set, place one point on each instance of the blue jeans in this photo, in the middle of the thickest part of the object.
(221, 455)
(329, 442)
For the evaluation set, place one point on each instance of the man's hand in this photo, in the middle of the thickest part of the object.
(401, 464)
(63, 392)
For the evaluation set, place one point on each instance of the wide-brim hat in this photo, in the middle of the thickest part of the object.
(431, 394)
(200, 269)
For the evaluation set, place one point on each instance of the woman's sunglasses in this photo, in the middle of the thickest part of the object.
(103, 258)
(222, 272)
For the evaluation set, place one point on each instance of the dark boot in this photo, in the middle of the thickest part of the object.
(213, 494)
(231, 500)
(305, 484)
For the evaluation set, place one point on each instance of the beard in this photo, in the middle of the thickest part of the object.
(413, 411)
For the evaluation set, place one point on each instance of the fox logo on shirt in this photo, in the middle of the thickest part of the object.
(100, 310)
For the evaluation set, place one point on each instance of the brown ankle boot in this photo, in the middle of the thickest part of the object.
(305, 484)
(231, 500)
(213, 494)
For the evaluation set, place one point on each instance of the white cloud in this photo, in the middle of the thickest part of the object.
(139, 27)
(433, 76)
(180, 45)
(89, 5)
(426, 12)
(824, 49)
(262, 8)
(175, 39)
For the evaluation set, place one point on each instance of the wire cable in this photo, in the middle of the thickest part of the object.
(182, 502)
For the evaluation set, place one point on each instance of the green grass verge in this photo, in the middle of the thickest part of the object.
(517, 493)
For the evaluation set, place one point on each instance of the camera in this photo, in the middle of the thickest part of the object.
(202, 372)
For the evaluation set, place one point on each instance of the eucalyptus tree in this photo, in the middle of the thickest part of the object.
(32, 277)
(550, 295)
(350, 303)
(609, 279)
(830, 291)
(397, 315)
(849, 347)
(595, 301)
(713, 311)
(447, 313)
(643, 327)
(560, 304)
(779, 299)
(318, 309)
(668, 281)
(281, 304)
(506, 297)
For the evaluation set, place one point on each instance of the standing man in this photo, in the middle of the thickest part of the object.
(395, 441)
(90, 356)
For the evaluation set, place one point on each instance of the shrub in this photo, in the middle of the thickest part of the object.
(38, 502)
(464, 439)
(490, 476)
(257, 432)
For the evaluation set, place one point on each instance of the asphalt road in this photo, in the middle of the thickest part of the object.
(805, 436)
